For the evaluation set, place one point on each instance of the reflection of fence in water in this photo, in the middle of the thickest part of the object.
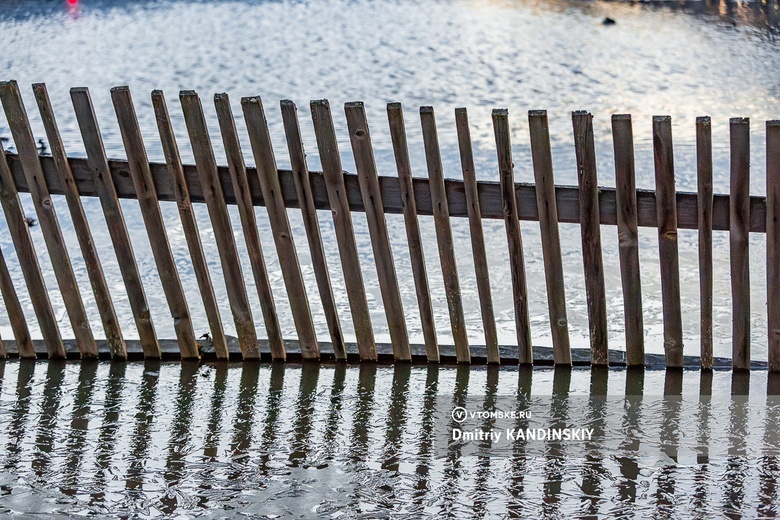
(260, 423)
(366, 192)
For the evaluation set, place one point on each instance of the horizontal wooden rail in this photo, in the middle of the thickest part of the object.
(567, 197)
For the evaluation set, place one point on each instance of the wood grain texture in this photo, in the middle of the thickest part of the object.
(704, 176)
(209, 182)
(513, 235)
(395, 119)
(477, 235)
(441, 220)
(360, 139)
(15, 313)
(246, 212)
(97, 279)
(305, 199)
(28, 261)
(138, 163)
(267, 172)
(342, 221)
(590, 228)
(551, 242)
(667, 240)
(189, 224)
(16, 115)
(739, 241)
(773, 242)
(106, 191)
(628, 237)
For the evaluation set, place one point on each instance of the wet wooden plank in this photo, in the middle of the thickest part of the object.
(739, 241)
(667, 240)
(15, 313)
(267, 172)
(92, 264)
(305, 199)
(585, 150)
(405, 185)
(28, 261)
(153, 220)
(477, 235)
(551, 244)
(566, 197)
(360, 138)
(101, 173)
(189, 224)
(342, 220)
(704, 176)
(441, 219)
(513, 235)
(213, 196)
(246, 212)
(773, 241)
(16, 116)
(628, 237)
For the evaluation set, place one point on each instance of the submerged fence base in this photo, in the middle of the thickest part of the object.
(543, 356)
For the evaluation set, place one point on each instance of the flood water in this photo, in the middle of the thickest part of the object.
(681, 59)
(338, 441)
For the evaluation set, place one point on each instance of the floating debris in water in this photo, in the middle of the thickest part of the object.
(608, 21)
(31, 222)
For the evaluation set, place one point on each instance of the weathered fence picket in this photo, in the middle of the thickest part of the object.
(587, 205)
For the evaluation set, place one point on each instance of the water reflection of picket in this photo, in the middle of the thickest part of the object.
(280, 190)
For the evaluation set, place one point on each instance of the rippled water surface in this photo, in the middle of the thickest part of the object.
(683, 60)
(342, 442)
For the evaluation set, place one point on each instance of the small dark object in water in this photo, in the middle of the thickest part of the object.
(31, 222)
(41, 147)
(206, 336)
(608, 21)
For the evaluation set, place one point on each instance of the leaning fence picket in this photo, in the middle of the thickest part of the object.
(551, 243)
(214, 197)
(188, 224)
(47, 217)
(153, 219)
(246, 212)
(666, 204)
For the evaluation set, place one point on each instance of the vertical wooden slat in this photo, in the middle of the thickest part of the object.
(739, 240)
(360, 139)
(47, 216)
(590, 228)
(268, 176)
(628, 238)
(441, 219)
(28, 261)
(104, 183)
(208, 175)
(311, 223)
(146, 192)
(342, 220)
(114, 339)
(303, 189)
(551, 244)
(395, 118)
(506, 174)
(704, 202)
(773, 241)
(189, 224)
(477, 235)
(246, 212)
(24, 344)
(666, 210)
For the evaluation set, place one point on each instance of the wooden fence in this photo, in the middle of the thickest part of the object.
(280, 190)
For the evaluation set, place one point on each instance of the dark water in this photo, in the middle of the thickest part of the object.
(684, 59)
(337, 441)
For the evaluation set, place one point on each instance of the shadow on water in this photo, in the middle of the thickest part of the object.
(179, 438)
